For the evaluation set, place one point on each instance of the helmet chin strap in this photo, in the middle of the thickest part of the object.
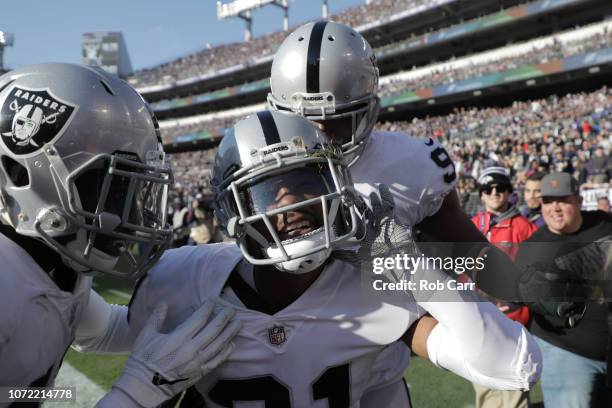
(306, 263)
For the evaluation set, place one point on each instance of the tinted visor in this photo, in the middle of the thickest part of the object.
(292, 187)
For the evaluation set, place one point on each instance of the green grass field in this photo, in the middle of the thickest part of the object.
(430, 387)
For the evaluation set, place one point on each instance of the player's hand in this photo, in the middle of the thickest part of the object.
(559, 295)
(384, 236)
(162, 365)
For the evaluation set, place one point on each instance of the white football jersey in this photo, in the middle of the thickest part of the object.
(326, 349)
(37, 319)
(418, 171)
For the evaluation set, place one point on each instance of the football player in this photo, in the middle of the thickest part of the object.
(310, 333)
(327, 72)
(83, 190)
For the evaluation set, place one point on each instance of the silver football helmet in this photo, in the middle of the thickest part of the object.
(284, 192)
(324, 71)
(82, 167)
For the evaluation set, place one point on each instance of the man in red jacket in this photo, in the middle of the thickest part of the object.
(504, 226)
(500, 222)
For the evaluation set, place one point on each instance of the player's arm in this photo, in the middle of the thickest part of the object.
(476, 341)
(107, 329)
(416, 336)
(24, 359)
(500, 276)
(499, 354)
(494, 351)
(103, 328)
(471, 338)
(163, 365)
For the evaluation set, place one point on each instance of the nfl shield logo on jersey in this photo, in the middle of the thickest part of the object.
(277, 335)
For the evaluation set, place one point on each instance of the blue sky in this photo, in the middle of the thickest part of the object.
(155, 31)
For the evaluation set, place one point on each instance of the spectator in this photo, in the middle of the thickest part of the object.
(603, 204)
(180, 222)
(599, 166)
(574, 357)
(543, 166)
(505, 227)
(468, 196)
(500, 222)
(580, 172)
(200, 232)
(531, 195)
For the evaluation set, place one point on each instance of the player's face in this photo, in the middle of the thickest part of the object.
(532, 193)
(495, 197)
(339, 130)
(299, 222)
(562, 214)
(293, 187)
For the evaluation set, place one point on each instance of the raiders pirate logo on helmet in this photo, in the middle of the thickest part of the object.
(30, 118)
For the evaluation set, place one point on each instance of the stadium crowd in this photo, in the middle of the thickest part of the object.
(215, 127)
(537, 55)
(213, 59)
(571, 133)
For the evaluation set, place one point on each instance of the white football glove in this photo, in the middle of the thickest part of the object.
(162, 365)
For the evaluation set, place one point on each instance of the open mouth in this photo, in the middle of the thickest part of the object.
(297, 237)
(297, 228)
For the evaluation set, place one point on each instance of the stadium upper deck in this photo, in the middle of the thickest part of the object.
(432, 34)
(573, 52)
(484, 33)
(381, 22)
